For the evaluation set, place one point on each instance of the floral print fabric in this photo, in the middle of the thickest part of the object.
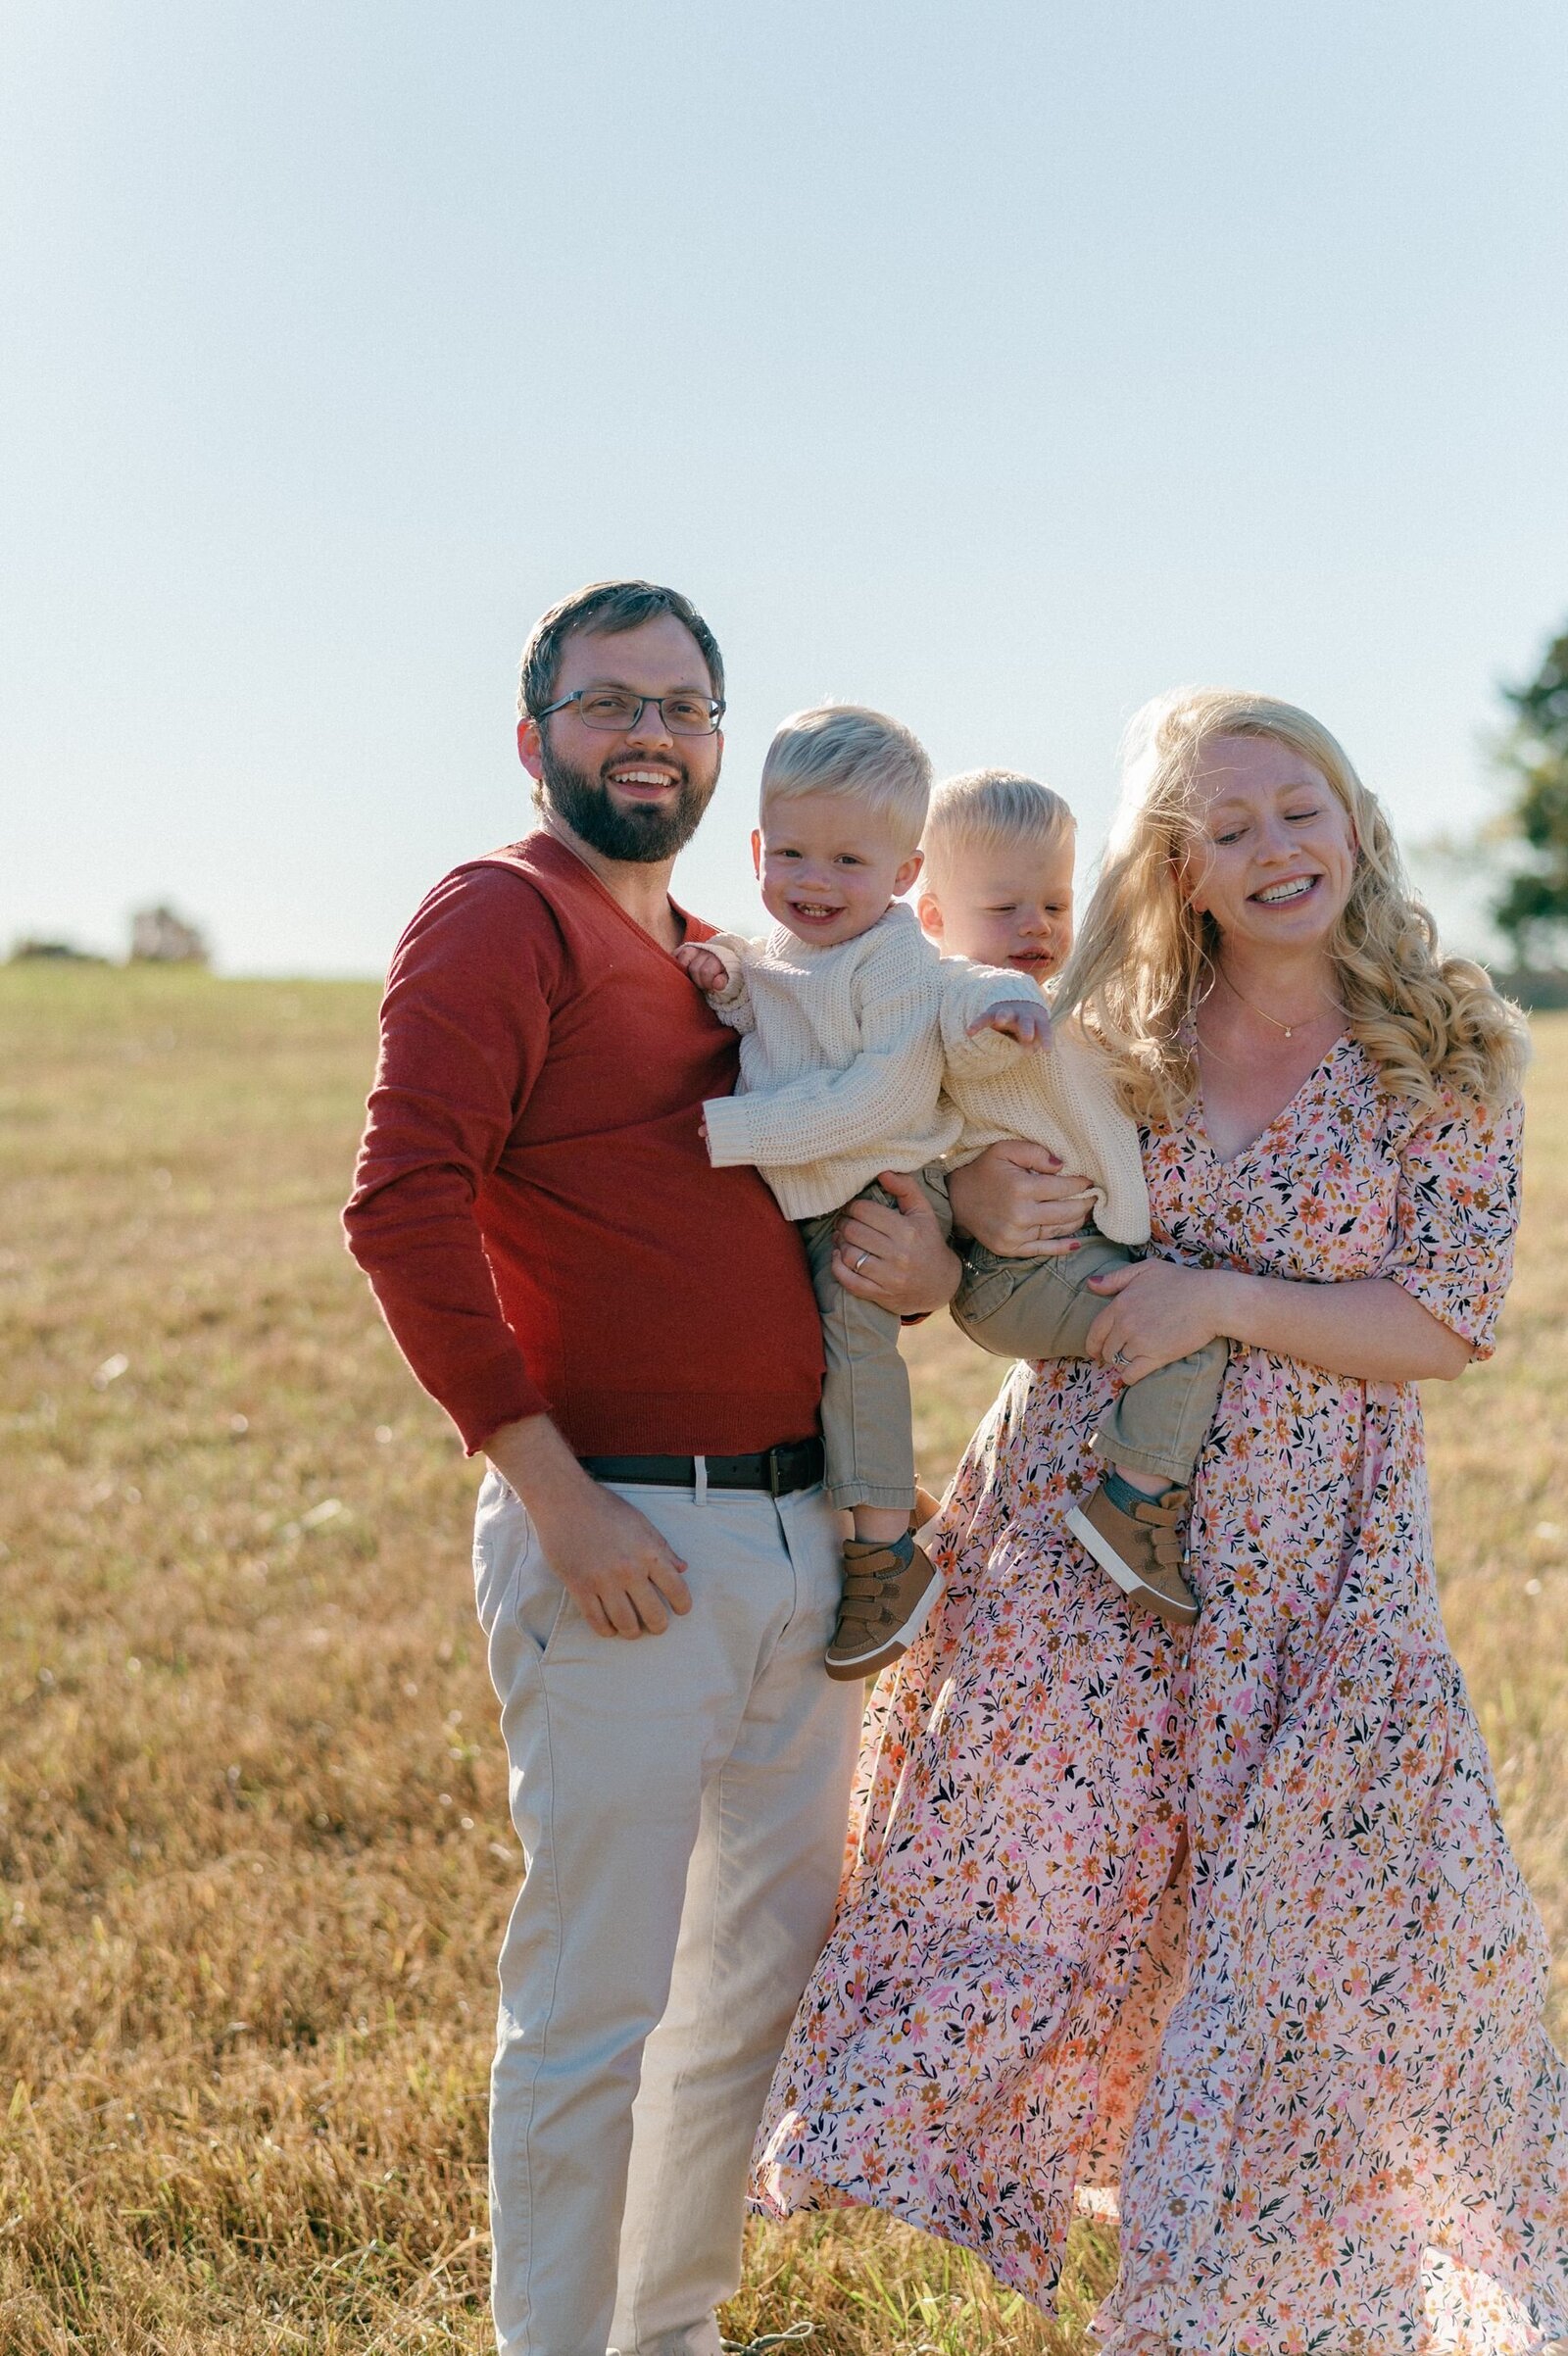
(1228, 1919)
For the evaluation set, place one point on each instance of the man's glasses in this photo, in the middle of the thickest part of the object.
(616, 709)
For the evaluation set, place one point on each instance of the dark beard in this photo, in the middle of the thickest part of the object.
(640, 836)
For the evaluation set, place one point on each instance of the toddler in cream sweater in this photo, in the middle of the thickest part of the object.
(998, 887)
(843, 1010)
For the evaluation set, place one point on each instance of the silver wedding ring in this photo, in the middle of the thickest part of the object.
(1118, 1357)
(860, 1260)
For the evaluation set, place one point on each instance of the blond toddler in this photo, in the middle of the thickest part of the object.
(843, 1010)
(998, 887)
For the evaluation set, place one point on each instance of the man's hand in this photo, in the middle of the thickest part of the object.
(621, 1574)
(702, 967)
(1017, 1200)
(893, 1253)
(1017, 1019)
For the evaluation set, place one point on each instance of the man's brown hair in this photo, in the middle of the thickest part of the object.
(612, 607)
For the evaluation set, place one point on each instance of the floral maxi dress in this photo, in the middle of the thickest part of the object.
(1228, 1920)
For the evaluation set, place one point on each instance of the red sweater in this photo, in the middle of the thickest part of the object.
(533, 1204)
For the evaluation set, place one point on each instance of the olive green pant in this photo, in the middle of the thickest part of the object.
(1042, 1309)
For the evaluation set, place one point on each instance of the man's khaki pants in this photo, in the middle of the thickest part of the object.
(681, 1802)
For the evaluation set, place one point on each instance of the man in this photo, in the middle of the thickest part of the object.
(630, 1337)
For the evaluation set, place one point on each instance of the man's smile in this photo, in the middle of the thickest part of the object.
(642, 782)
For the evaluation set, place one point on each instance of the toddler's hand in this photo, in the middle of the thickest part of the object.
(702, 966)
(1017, 1019)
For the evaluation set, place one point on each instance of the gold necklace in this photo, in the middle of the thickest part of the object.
(1289, 1028)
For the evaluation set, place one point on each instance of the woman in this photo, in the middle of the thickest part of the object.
(1229, 1919)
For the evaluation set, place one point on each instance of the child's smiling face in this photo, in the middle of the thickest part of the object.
(829, 867)
(1011, 906)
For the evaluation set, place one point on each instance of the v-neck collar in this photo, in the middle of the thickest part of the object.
(1280, 1120)
(541, 840)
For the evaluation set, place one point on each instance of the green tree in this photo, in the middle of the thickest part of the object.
(1533, 909)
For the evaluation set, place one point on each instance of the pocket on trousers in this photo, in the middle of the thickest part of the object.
(511, 1581)
(540, 1604)
(987, 1285)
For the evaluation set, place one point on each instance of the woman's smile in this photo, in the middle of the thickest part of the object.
(1276, 855)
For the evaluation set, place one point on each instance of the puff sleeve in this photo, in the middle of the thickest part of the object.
(1455, 1215)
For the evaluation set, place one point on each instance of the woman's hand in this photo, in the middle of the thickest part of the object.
(1155, 1313)
(893, 1253)
(1370, 1329)
(1017, 1200)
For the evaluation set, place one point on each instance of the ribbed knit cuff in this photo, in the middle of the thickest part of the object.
(734, 976)
(729, 1132)
(483, 1399)
(981, 1055)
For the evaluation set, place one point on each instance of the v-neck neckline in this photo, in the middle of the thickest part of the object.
(1242, 1152)
(683, 916)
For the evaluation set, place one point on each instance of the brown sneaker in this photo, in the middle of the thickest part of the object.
(1142, 1550)
(926, 1506)
(888, 1591)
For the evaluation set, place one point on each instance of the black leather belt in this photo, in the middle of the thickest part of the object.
(798, 1464)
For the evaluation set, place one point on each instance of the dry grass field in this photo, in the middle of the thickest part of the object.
(253, 1832)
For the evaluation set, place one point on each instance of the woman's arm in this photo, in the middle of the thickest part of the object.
(1017, 1200)
(894, 1253)
(1457, 1210)
(1372, 1329)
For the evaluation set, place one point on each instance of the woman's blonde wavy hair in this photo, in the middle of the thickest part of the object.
(1430, 1023)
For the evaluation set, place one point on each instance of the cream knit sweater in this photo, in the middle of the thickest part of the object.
(841, 1057)
(1065, 1100)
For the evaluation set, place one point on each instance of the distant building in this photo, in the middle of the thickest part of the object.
(158, 936)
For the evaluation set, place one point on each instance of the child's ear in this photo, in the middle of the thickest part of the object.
(928, 907)
(756, 853)
(905, 878)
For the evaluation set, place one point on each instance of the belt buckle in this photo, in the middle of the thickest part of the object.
(789, 1468)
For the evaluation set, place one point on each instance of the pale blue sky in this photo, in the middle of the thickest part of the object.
(1000, 364)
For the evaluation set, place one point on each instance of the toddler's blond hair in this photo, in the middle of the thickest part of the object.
(849, 749)
(989, 809)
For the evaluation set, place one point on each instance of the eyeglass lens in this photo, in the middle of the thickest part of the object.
(611, 707)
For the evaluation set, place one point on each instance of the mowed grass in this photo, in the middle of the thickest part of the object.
(253, 1833)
